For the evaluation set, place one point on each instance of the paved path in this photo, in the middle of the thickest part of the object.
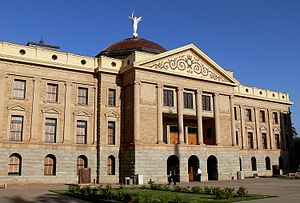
(285, 191)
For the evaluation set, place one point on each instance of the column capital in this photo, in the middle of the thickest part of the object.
(136, 82)
(216, 94)
(159, 85)
(199, 91)
(231, 96)
(180, 89)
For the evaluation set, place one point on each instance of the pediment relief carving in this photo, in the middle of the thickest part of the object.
(51, 111)
(81, 113)
(263, 129)
(276, 130)
(112, 114)
(16, 108)
(189, 64)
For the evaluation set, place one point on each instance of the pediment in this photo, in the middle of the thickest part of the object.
(82, 113)
(188, 61)
(16, 108)
(112, 114)
(50, 111)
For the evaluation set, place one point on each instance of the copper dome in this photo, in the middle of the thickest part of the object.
(125, 47)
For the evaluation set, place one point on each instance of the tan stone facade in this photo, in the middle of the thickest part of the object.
(145, 114)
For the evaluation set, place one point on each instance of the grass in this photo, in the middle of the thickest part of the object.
(162, 196)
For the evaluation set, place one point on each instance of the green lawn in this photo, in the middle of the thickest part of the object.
(162, 196)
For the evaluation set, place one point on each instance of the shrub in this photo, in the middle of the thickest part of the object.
(208, 190)
(166, 187)
(72, 188)
(177, 188)
(242, 192)
(229, 192)
(196, 189)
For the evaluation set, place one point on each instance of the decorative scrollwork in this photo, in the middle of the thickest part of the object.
(189, 64)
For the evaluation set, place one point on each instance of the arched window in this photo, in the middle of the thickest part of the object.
(253, 163)
(111, 165)
(50, 165)
(268, 163)
(15, 162)
(82, 162)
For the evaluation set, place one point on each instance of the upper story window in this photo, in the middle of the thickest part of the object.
(206, 102)
(264, 140)
(285, 119)
(235, 113)
(16, 128)
(277, 141)
(248, 115)
(275, 117)
(81, 132)
(262, 116)
(19, 89)
(52, 92)
(168, 97)
(111, 133)
(250, 140)
(112, 97)
(82, 97)
(188, 100)
(50, 130)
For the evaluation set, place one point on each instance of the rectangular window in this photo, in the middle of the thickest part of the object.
(188, 100)
(264, 140)
(248, 115)
(52, 92)
(277, 141)
(275, 118)
(206, 102)
(16, 128)
(174, 137)
(111, 132)
(237, 137)
(192, 136)
(285, 119)
(169, 98)
(235, 113)
(19, 88)
(250, 140)
(111, 97)
(262, 116)
(50, 130)
(82, 96)
(81, 132)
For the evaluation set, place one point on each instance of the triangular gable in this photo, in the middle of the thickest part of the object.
(188, 61)
(16, 108)
(112, 114)
(82, 113)
(50, 111)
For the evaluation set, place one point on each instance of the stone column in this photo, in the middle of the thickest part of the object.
(283, 141)
(180, 115)
(258, 135)
(231, 97)
(159, 114)
(217, 119)
(136, 109)
(3, 136)
(243, 130)
(34, 131)
(67, 137)
(199, 117)
(271, 129)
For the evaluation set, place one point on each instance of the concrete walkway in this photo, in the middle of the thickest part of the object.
(285, 190)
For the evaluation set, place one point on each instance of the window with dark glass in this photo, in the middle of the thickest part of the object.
(50, 165)
(16, 128)
(14, 166)
(237, 137)
(188, 100)
(82, 96)
(248, 115)
(81, 132)
(19, 88)
(235, 113)
(264, 140)
(52, 92)
(111, 132)
(262, 116)
(277, 141)
(250, 140)
(50, 130)
(268, 163)
(168, 98)
(275, 117)
(111, 97)
(206, 102)
(253, 164)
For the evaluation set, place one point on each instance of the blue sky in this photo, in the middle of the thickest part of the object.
(259, 39)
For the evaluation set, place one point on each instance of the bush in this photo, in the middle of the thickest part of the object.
(208, 190)
(72, 188)
(196, 189)
(242, 192)
(177, 188)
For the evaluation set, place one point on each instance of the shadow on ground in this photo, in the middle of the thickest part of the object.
(44, 198)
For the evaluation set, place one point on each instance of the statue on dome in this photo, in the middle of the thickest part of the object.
(135, 21)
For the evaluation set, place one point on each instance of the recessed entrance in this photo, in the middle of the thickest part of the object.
(212, 168)
(173, 167)
(193, 165)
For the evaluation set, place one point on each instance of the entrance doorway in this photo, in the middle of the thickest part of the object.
(173, 167)
(193, 165)
(212, 168)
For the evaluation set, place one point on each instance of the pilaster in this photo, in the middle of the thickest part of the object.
(199, 117)
(180, 115)
(34, 131)
(217, 118)
(159, 114)
(136, 115)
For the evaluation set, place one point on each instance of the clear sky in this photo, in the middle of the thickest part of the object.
(257, 39)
